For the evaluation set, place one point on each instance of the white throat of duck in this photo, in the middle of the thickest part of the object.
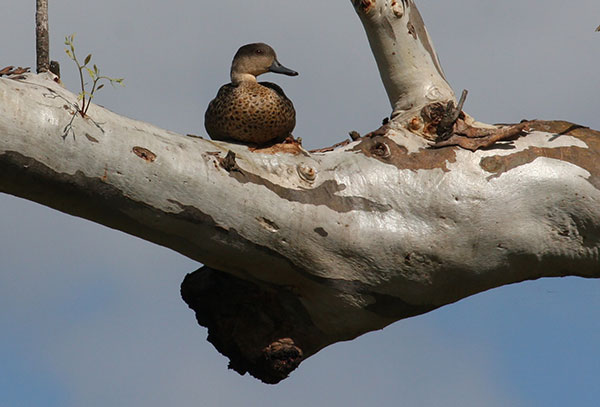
(237, 77)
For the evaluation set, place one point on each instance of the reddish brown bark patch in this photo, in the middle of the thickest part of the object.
(333, 147)
(385, 150)
(475, 138)
(90, 138)
(586, 158)
(287, 148)
(364, 5)
(11, 70)
(144, 153)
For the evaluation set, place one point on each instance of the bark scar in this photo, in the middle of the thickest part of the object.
(90, 138)
(398, 9)
(411, 30)
(364, 5)
(144, 153)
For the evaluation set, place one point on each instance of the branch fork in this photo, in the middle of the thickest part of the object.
(421, 98)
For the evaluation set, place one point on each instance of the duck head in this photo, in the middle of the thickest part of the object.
(255, 59)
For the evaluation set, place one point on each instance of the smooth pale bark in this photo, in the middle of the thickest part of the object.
(407, 61)
(306, 249)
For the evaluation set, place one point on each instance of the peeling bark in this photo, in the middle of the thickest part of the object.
(305, 249)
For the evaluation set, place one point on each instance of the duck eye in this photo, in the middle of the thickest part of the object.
(259, 51)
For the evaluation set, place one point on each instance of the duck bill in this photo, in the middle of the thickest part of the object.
(276, 67)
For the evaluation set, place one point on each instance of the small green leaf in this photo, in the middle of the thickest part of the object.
(87, 59)
(95, 69)
(90, 72)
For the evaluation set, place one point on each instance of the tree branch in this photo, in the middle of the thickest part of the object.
(42, 38)
(407, 61)
(302, 249)
(340, 243)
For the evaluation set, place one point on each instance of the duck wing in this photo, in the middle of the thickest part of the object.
(275, 87)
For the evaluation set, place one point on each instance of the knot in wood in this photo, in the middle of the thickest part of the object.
(307, 173)
(415, 123)
(283, 356)
(381, 149)
(398, 8)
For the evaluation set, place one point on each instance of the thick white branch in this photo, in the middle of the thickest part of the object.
(366, 234)
(407, 61)
(325, 246)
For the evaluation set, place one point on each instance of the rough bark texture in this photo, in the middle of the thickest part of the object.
(302, 249)
(41, 35)
(233, 310)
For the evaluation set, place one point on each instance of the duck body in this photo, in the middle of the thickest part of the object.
(249, 111)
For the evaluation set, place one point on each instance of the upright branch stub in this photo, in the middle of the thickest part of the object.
(407, 61)
(42, 41)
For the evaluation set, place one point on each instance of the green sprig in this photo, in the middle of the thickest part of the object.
(94, 74)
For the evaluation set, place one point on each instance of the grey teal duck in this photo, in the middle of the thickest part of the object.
(249, 111)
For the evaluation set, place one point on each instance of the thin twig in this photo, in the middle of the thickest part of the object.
(461, 102)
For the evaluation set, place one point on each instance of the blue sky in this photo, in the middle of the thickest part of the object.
(91, 316)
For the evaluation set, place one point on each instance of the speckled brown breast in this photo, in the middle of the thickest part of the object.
(250, 112)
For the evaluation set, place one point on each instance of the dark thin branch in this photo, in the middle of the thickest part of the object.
(42, 46)
(461, 103)
(451, 114)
